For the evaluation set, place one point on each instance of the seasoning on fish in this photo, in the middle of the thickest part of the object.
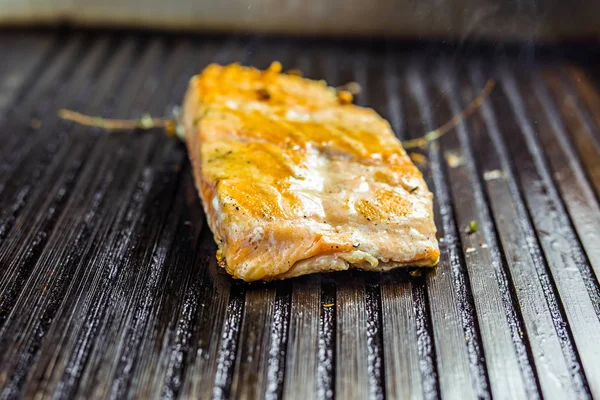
(294, 179)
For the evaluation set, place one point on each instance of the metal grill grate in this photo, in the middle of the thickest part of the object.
(109, 285)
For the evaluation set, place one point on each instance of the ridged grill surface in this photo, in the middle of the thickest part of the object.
(109, 285)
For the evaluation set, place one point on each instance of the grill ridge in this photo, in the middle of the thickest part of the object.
(538, 258)
(548, 189)
(472, 333)
(80, 227)
(461, 140)
(7, 224)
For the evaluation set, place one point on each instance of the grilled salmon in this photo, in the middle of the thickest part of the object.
(294, 179)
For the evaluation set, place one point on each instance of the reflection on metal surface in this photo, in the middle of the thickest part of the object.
(109, 285)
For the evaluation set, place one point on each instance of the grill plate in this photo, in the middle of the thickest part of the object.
(109, 285)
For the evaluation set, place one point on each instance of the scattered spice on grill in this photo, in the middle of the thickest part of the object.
(453, 159)
(35, 123)
(328, 305)
(492, 175)
(472, 227)
(415, 272)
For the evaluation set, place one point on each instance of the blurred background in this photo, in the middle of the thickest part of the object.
(520, 20)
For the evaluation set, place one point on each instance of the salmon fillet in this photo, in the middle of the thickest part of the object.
(295, 180)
